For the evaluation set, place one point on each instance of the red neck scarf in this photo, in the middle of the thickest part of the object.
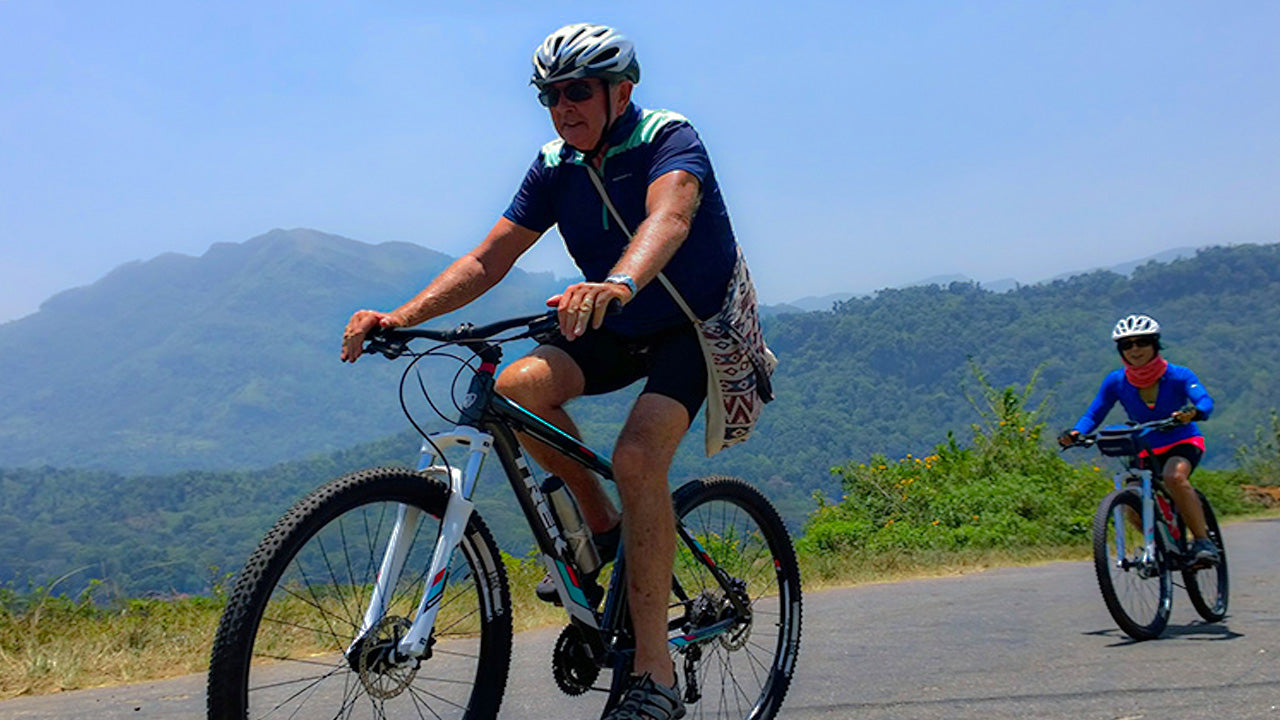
(1145, 375)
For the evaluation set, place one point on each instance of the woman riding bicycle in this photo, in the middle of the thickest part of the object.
(1151, 388)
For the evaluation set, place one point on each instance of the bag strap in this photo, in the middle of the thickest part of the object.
(617, 218)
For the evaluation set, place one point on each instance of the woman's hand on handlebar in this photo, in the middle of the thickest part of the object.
(1069, 438)
(586, 303)
(1185, 415)
(362, 323)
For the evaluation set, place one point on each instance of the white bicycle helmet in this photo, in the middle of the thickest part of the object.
(1134, 325)
(583, 50)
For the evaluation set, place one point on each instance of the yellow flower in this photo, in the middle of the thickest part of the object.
(935, 522)
(975, 517)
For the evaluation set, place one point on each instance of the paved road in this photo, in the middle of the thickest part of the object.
(1027, 643)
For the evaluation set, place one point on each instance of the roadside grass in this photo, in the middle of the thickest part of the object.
(50, 643)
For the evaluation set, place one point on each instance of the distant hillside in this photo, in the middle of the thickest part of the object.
(222, 361)
(182, 532)
(229, 360)
(810, 303)
(888, 373)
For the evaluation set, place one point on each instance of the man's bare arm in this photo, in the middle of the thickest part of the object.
(671, 202)
(670, 205)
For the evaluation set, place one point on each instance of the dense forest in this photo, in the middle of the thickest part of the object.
(888, 374)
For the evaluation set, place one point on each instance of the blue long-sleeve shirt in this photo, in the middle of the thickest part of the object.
(1178, 387)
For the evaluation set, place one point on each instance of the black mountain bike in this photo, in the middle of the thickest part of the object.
(1140, 541)
(382, 593)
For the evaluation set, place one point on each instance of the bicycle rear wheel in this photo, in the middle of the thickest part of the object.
(1138, 591)
(1207, 587)
(744, 669)
(282, 644)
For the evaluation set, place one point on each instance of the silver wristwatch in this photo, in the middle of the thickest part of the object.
(623, 279)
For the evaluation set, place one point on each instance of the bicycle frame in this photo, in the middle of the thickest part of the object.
(489, 422)
(1148, 521)
(1148, 482)
(462, 483)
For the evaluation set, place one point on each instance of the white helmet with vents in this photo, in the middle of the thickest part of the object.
(584, 50)
(1133, 325)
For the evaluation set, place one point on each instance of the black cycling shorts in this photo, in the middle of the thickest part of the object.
(670, 359)
(1182, 450)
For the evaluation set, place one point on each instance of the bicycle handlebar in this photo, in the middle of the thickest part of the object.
(394, 342)
(1135, 429)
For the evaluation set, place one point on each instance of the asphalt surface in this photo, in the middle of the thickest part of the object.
(1025, 643)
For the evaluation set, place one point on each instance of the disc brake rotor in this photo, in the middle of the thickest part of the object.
(382, 672)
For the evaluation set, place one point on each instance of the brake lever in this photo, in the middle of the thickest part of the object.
(390, 349)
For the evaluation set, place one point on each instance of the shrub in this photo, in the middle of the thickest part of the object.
(1009, 488)
(1259, 463)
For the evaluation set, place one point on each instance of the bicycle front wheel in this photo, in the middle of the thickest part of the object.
(1207, 587)
(283, 646)
(1138, 590)
(740, 547)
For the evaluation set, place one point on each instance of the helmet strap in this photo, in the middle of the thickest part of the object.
(608, 123)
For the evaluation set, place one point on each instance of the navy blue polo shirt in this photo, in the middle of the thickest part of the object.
(643, 145)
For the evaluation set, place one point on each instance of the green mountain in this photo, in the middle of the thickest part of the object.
(228, 360)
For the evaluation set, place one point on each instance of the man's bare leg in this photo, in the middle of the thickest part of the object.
(640, 462)
(542, 382)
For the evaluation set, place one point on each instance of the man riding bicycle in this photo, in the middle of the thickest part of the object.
(1150, 388)
(659, 176)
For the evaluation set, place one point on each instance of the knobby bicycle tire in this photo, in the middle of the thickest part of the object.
(1139, 604)
(746, 672)
(1208, 588)
(299, 601)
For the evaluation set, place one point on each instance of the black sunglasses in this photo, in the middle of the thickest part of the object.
(576, 91)
(1139, 341)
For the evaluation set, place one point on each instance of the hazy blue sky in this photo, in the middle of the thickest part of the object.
(859, 144)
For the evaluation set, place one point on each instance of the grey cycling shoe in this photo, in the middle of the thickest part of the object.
(607, 546)
(647, 699)
(1204, 553)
